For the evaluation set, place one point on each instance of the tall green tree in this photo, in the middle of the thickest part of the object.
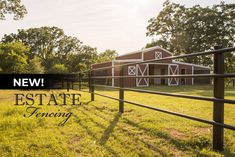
(184, 30)
(82, 59)
(12, 7)
(107, 55)
(50, 44)
(13, 57)
(35, 66)
(45, 41)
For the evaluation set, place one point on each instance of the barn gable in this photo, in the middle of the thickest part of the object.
(146, 54)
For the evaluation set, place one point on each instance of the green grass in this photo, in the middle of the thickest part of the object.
(96, 128)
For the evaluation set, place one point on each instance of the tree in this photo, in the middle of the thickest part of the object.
(82, 59)
(12, 7)
(35, 66)
(13, 57)
(185, 30)
(50, 44)
(45, 42)
(58, 69)
(107, 55)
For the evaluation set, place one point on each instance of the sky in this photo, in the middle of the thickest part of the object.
(105, 24)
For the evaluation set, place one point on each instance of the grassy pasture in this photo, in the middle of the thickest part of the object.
(96, 128)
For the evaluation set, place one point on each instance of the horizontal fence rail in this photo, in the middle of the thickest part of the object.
(170, 76)
(174, 95)
(169, 112)
(218, 98)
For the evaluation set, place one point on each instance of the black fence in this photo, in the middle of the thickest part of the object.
(217, 99)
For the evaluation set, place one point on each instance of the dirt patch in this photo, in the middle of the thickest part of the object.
(176, 133)
(202, 131)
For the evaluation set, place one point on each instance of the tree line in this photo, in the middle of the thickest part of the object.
(47, 50)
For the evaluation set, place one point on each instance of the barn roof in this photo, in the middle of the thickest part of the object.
(146, 50)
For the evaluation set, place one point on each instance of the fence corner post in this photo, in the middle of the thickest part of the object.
(91, 85)
(121, 90)
(218, 107)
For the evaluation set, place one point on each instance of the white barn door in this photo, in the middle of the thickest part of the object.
(142, 70)
(173, 69)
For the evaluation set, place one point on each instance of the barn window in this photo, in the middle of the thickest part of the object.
(158, 55)
(131, 70)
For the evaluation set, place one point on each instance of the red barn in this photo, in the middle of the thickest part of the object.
(164, 67)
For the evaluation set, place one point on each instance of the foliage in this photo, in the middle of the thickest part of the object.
(12, 7)
(13, 57)
(35, 66)
(82, 59)
(53, 47)
(185, 30)
(58, 69)
(107, 55)
(45, 42)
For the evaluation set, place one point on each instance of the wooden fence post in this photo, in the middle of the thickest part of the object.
(121, 90)
(218, 108)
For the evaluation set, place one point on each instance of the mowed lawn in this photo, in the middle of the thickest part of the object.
(97, 129)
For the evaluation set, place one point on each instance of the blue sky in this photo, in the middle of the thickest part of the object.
(105, 24)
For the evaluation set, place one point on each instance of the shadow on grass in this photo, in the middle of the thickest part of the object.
(94, 136)
(108, 132)
(183, 145)
(110, 128)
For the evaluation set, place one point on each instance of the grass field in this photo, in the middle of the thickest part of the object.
(96, 128)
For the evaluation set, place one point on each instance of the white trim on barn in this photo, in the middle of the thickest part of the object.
(158, 55)
(156, 47)
(132, 70)
(174, 72)
(142, 73)
(191, 64)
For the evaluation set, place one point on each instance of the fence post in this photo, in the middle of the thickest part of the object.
(68, 86)
(218, 108)
(121, 90)
(79, 82)
(62, 84)
(91, 85)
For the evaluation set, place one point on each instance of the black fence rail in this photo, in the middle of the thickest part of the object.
(217, 99)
